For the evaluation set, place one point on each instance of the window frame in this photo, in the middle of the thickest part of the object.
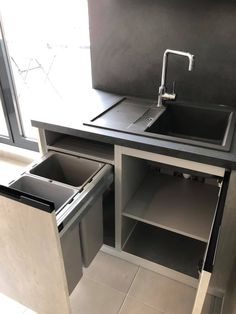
(10, 102)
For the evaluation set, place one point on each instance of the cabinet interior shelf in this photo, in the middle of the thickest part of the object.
(166, 248)
(85, 148)
(176, 204)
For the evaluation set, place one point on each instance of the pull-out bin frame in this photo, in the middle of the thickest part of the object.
(76, 212)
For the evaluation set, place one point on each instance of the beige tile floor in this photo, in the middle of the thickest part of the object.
(111, 285)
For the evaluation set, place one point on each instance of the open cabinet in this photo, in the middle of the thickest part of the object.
(57, 214)
(51, 227)
(170, 213)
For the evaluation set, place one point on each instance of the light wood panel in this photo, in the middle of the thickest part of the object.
(201, 292)
(41, 141)
(173, 161)
(31, 264)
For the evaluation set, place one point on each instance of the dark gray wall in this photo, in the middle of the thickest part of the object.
(128, 38)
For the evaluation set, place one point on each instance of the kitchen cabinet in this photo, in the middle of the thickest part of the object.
(167, 219)
(179, 227)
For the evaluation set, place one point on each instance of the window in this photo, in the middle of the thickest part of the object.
(3, 125)
(45, 57)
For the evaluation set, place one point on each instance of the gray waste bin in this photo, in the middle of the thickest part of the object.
(78, 173)
(71, 170)
(43, 189)
(91, 232)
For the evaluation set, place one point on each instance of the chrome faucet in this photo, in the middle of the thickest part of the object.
(162, 94)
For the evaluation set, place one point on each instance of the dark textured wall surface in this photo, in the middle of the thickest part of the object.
(128, 38)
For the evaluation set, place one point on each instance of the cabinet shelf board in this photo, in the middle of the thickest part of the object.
(176, 204)
(84, 148)
(166, 248)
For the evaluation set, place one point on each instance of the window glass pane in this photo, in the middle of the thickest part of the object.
(3, 126)
(48, 43)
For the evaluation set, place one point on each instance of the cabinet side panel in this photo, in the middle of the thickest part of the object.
(118, 207)
(42, 141)
(133, 171)
(31, 265)
(229, 305)
(226, 254)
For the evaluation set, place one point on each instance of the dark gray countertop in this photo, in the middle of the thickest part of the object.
(69, 118)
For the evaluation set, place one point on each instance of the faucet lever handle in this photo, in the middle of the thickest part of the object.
(169, 96)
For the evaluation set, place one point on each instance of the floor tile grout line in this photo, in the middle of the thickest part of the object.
(127, 294)
(134, 279)
(121, 306)
(103, 284)
(109, 286)
(141, 301)
(148, 305)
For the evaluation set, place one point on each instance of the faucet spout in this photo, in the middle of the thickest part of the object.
(162, 94)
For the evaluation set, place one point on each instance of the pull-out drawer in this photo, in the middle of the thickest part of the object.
(90, 179)
(72, 188)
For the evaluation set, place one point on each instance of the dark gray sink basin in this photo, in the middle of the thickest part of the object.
(195, 125)
(211, 127)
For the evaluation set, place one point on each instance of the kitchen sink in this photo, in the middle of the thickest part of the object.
(195, 125)
(198, 125)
